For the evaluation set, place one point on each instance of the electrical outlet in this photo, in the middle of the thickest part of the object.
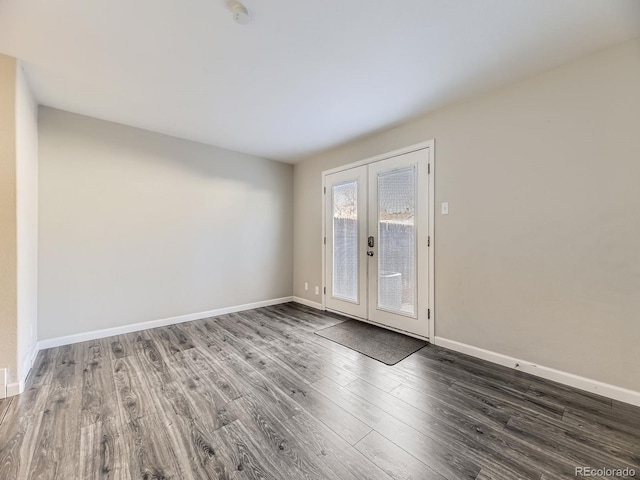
(306, 285)
(317, 290)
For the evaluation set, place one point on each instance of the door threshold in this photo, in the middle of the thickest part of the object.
(387, 327)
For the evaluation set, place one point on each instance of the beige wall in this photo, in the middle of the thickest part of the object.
(538, 258)
(8, 262)
(137, 226)
(27, 220)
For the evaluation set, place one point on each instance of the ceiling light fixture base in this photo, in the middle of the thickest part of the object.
(240, 13)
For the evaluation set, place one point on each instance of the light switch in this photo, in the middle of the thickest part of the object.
(445, 208)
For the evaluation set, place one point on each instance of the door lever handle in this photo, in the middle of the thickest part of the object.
(370, 253)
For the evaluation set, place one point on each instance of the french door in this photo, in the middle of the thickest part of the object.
(377, 242)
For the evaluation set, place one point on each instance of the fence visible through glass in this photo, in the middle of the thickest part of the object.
(397, 240)
(345, 241)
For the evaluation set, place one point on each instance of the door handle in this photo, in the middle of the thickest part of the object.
(370, 242)
(370, 253)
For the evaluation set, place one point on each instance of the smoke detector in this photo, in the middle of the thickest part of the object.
(240, 13)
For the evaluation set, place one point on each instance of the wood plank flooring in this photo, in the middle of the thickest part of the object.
(256, 395)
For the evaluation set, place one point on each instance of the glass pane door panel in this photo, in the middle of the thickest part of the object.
(345, 241)
(397, 240)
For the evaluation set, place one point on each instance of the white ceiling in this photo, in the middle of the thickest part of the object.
(303, 76)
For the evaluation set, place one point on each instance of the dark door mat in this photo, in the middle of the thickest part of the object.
(378, 343)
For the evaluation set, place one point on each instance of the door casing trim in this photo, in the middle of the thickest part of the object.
(428, 145)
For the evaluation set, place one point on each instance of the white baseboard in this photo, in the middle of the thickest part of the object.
(308, 303)
(136, 327)
(18, 387)
(15, 388)
(3, 383)
(576, 381)
(28, 361)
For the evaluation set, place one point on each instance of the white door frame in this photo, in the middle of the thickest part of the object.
(429, 145)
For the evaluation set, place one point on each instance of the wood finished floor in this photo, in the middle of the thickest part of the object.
(256, 395)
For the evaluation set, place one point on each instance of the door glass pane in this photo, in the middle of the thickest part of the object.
(397, 240)
(345, 241)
